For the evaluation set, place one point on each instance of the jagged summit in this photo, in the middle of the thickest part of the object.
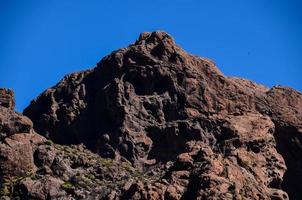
(154, 38)
(152, 47)
(160, 45)
(192, 132)
(154, 65)
(155, 48)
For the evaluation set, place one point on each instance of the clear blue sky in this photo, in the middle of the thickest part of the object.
(41, 41)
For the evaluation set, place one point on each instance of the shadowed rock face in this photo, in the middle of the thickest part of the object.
(32, 167)
(190, 131)
(285, 107)
(139, 100)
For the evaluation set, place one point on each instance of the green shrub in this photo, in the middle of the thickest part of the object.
(67, 185)
(4, 191)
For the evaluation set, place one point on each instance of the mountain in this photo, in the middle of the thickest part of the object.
(151, 121)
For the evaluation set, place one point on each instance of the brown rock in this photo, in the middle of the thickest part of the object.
(12, 123)
(169, 112)
(184, 160)
(16, 153)
(7, 98)
(47, 188)
(18, 141)
(33, 167)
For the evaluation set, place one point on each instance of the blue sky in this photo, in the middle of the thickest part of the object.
(41, 41)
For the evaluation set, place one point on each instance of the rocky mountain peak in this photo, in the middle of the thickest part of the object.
(154, 38)
(185, 130)
(152, 48)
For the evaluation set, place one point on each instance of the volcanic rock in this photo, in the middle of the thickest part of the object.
(7, 98)
(32, 167)
(186, 130)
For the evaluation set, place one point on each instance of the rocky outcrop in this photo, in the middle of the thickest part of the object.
(17, 141)
(7, 98)
(137, 99)
(285, 109)
(171, 126)
(242, 165)
(32, 167)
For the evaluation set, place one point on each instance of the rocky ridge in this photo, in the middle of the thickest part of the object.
(169, 124)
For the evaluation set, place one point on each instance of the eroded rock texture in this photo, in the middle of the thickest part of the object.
(188, 131)
(7, 98)
(32, 167)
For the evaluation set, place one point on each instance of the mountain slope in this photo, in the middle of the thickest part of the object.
(187, 129)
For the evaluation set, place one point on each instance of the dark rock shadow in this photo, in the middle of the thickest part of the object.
(289, 146)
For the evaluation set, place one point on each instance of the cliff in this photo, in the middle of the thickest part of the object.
(151, 121)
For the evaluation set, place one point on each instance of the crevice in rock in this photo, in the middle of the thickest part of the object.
(288, 141)
(193, 187)
(147, 84)
(169, 142)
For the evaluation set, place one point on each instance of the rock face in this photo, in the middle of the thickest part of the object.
(7, 98)
(17, 141)
(171, 126)
(32, 167)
